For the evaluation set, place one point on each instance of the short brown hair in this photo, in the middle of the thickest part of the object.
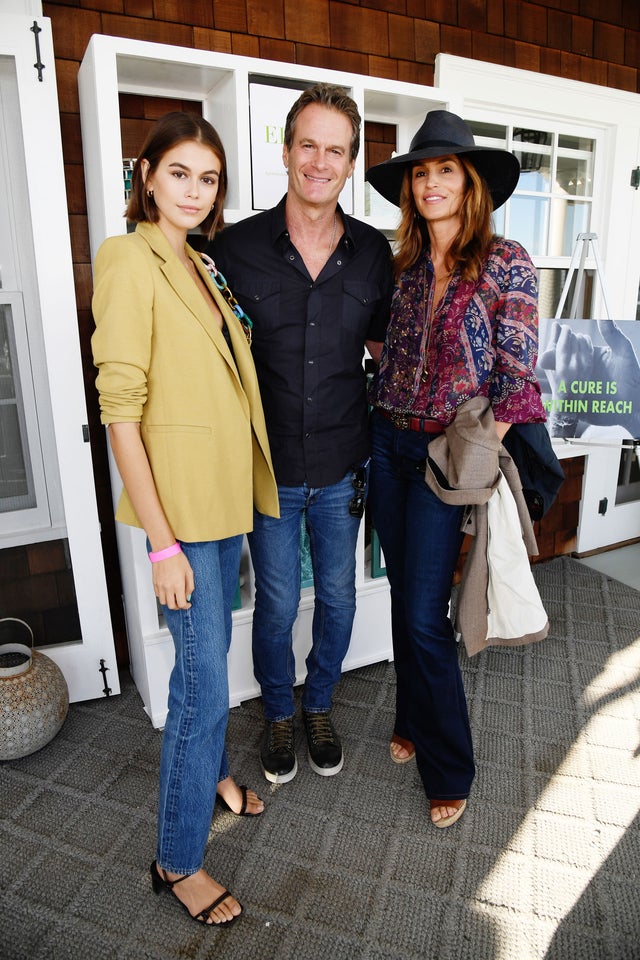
(170, 130)
(326, 95)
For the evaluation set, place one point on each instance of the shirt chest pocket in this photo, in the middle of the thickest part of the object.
(260, 299)
(359, 305)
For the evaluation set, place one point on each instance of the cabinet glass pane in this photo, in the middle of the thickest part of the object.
(16, 483)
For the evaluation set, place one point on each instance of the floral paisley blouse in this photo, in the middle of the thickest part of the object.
(483, 341)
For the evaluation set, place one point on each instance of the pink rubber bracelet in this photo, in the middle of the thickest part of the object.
(164, 554)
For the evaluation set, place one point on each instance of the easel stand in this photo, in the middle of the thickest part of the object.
(578, 260)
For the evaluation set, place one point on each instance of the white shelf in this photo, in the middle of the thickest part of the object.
(220, 83)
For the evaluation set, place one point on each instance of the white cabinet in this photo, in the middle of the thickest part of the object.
(221, 82)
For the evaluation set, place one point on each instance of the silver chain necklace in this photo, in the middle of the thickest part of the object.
(333, 235)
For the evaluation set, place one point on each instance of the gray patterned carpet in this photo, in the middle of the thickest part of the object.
(545, 863)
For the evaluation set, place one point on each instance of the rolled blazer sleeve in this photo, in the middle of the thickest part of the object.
(123, 312)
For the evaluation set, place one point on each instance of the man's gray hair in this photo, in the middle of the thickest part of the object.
(327, 95)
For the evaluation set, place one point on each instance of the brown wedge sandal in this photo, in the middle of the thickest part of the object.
(460, 805)
(401, 742)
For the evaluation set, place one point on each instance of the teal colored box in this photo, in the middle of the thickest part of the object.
(377, 570)
(237, 599)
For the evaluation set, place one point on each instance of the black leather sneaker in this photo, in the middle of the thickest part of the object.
(325, 749)
(277, 753)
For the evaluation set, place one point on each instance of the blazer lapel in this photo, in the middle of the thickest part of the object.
(185, 288)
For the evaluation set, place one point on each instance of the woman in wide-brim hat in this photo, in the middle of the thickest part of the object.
(463, 324)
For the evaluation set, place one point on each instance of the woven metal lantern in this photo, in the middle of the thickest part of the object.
(34, 698)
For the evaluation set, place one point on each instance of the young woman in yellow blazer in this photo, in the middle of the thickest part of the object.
(179, 394)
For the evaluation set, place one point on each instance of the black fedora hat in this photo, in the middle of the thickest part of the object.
(446, 134)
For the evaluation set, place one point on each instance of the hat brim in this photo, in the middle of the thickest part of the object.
(499, 168)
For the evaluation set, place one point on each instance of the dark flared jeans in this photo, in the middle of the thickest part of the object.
(421, 538)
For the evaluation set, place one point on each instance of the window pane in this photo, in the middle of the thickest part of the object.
(565, 141)
(535, 162)
(528, 223)
(574, 176)
(489, 131)
(16, 484)
(528, 135)
(535, 172)
(570, 217)
(498, 220)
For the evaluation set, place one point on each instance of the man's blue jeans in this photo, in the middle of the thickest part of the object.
(421, 538)
(275, 553)
(193, 757)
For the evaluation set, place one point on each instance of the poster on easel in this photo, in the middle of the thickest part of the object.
(269, 104)
(589, 375)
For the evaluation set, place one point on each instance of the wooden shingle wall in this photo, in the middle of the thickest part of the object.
(589, 40)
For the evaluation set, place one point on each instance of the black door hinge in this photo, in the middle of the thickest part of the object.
(103, 671)
(38, 65)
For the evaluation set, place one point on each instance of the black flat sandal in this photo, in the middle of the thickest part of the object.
(243, 812)
(162, 883)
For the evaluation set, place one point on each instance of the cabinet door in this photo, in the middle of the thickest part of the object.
(47, 494)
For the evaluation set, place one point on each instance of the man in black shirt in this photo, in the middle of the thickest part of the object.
(317, 285)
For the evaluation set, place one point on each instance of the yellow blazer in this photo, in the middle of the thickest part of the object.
(164, 363)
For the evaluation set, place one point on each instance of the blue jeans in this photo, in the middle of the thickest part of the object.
(193, 757)
(421, 538)
(275, 553)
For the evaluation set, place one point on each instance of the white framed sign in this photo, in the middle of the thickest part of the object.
(589, 376)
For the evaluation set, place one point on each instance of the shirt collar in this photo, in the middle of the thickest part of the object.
(279, 230)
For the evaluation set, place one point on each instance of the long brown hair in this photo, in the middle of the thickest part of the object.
(174, 128)
(471, 244)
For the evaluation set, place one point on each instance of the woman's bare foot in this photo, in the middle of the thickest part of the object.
(234, 797)
(200, 890)
(444, 813)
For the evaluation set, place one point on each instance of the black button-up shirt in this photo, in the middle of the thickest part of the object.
(308, 338)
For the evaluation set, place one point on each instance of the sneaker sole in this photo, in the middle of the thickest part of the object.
(280, 777)
(326, 771)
